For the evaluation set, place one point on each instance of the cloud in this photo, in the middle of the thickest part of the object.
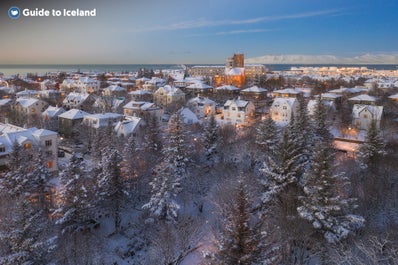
(232, 32)
(202, 22)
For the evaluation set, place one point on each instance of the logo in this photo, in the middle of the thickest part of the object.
(14, 12)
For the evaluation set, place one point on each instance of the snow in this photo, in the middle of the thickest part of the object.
(227, 87)
(74, 114)
(188, 116)
(27, 102)
(363, 98)
(255, 89)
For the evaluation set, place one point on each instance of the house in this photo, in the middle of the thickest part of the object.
(188, 117)
(131, 125)
(50, 117)
(362, 99)
(363, 115)
(153, 84)
(142, 109)
(27, 94)
(202, 107)
(283, 108)
(97, 121)
(394, 97)
(237, 112)
(347, 92)
(235, 76)
(87, 85)
(199, 88)
(168, 96)
(335, 98)
(115, 91)
(255, 94)
(5, 106)
(226, 92)
(30, 106)
(47, 84)
(76, 100)
(141, 95)
(28, 138)
(68, 121)
(287, 93)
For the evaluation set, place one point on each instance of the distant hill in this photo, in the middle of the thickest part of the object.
(325, 59)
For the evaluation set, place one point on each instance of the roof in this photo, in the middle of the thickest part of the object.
(363, 98)
(115, 88)
(235, 71)
(78, 97)
(171, 90)
(5, 101)
(107, 115)
(281, 101)
(127, 126)
(52, 111)
(43, 132)
(393, 96)
(240, 103)
(287, 91)
(255, 89)
(140, 92)
(330, 95)
(188, 116)
(376, 111)
(73, 114)
(227, 87)
(27, 102)
(199, 85)
(203, 100)
(139, 104)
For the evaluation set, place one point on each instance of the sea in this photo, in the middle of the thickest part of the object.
(41, 69)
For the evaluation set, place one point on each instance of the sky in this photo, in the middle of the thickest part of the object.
(195, 32)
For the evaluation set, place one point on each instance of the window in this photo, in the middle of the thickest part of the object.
(2, 149)
(50, 164)
(365, 116)
(27, 145)
(284, 107)
(48, 142)
(233, 108)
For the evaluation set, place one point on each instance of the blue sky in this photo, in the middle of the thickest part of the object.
(202, 31)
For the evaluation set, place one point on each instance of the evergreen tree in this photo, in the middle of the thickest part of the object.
(152, 143)
(321, 204)
(241, 240)
(111, 185)
(211, 139)
(282, 168)
(266, 136)
(320, 132)
(129, 158)
(168, 175)
(301, 128)
(76, 196)
(373, 149)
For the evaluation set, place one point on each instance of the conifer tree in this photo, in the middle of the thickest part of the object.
(111, 185)
(320, 132)
(282, 168)
(266, 136)
(372, 149)
(168, 174)
(322, 205)
(211, 139)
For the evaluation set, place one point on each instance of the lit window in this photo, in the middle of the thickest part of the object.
(49, 164)
(27, 146)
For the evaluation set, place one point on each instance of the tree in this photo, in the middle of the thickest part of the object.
(322, 205)
(241, 240)
(166, 182)
(211, 139)
(373, 149)
(266, 136)
(111, 185)
(320, 132)
(76, 196)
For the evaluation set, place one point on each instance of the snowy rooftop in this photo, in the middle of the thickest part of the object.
(77, 97)
(5, 101)
(115, 88)
(140, 92)
(287, 91)
(199, 85)
(139, 104)
(363, 98)
(240, 103)
(330, 96)
(52, 111)
(27, 102)
(43, 132)
(203, 100)
(255, 89)
(127, 126)
(227, 87)
(235, 71)
(107, 115)
(73, 114)
(281, 101)
(393, 96)
(188, 116)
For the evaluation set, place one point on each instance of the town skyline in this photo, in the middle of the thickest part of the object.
(202, 32)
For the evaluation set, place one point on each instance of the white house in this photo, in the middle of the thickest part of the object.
(363, 99)
(101, 120)
(142, 109)
(168, 96)
(282, 109)
(188, 116)
(237, 112)
(30, 106)
(87, 84)
(75, 100)
(202, 107)
(115, 90)
(130, 125)
(28, 138)
(363, 115)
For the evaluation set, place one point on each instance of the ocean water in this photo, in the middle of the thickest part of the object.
(42, 69)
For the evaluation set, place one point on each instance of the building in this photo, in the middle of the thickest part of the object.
(202, 107)
(142, 109)
(30, 106)
(283, 108)
(199, 88)
(87, 85)
(68, 121)
(141, 95)
(169, 96)
(115, 91)
(46, 140)
(363, 99)
(128, 126)
(76, 100)
(287, 93)
(255, 94)
(50, 117)
(97, 121)
(363, 115)
(237, 112)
